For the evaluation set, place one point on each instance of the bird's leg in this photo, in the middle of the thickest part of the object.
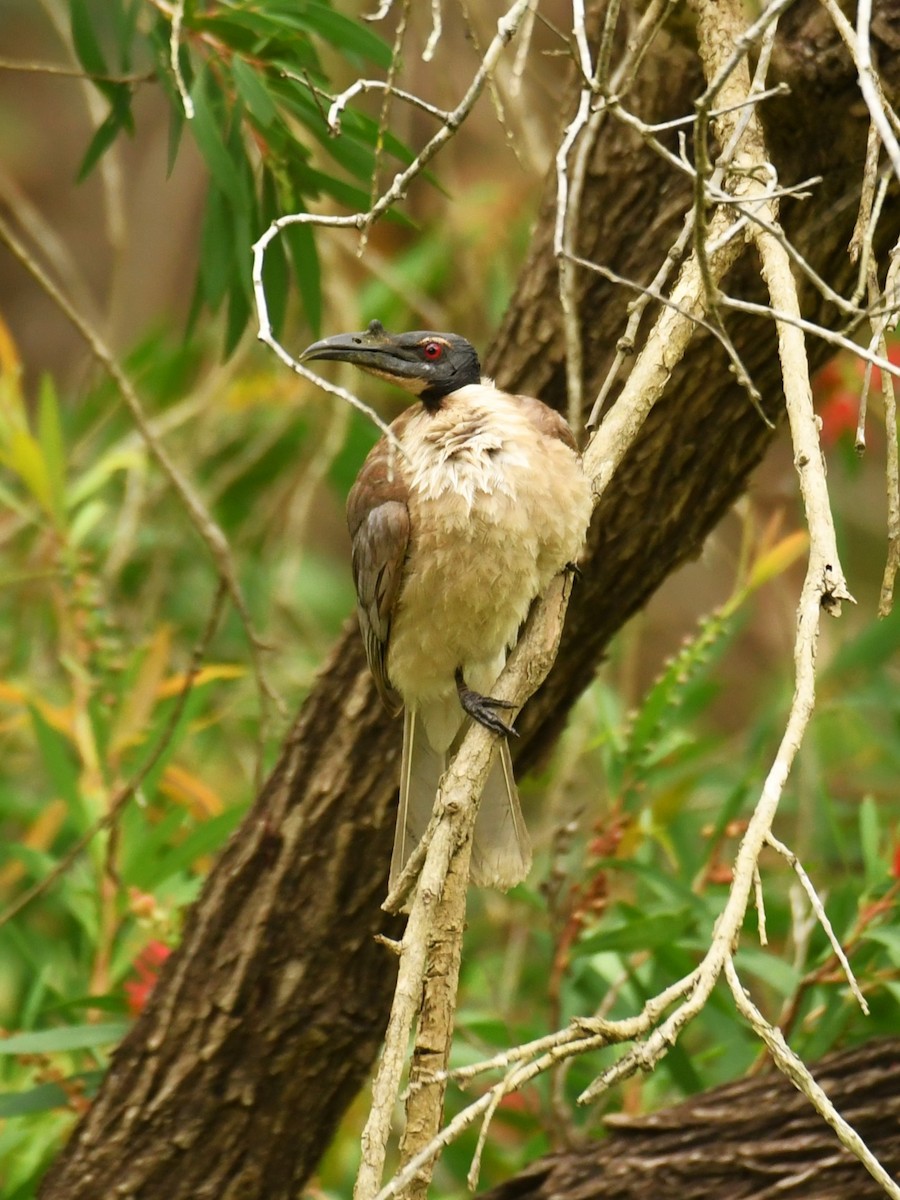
(479, 707)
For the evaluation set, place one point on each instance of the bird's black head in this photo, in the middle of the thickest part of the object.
(430, 365)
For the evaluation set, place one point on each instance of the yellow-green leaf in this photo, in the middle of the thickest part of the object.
(777, 559)
(50, 439)
(23, 455)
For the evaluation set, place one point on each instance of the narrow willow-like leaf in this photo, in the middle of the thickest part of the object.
(65, 1038)
(253, 92)
(217, 249)
(207, 132)
(50, 438)
(304, 256)
(349, 36)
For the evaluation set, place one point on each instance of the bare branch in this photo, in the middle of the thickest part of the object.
(437, 29)
(361, 86)
(796, 1070)
(872, 93)
(819, 909)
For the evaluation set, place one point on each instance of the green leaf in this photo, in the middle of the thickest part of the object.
(887, 936)
(86, 520)
(50, 437)
(870, 841)
(638, 933)
(869, 650)
(58, 758)
(85, 40)
(99, 474)
(208, 136)
(253, 92)
(301, 244)
(349, 36)
(217, 249)
(110, 1004)
(346, 149)
(145, 847)
(8, 499)
(173, 738)
(768, 967)
(668, 693)
(104, 136)
(177, 122)
(34, 1100)
(207, 838)
(64, 1038)
(126, 17)
(23, 454)
(237, 317)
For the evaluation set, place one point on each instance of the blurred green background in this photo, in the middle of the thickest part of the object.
(146, 222)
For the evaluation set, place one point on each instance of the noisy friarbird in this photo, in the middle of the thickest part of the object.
(454, 534)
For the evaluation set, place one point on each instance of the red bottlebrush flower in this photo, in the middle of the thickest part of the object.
(839, 413)
(146, 966)
(827, 379)
(894, 359)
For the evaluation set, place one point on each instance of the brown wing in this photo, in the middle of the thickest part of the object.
(551, 423)
(379, 530)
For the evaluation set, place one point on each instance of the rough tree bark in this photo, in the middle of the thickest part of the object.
(267, 1019)
(756, 1139)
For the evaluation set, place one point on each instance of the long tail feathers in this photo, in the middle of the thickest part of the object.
(421, 768)
(501, 850)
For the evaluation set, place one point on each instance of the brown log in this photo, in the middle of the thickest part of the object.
(757, 1139)
(267, 1019)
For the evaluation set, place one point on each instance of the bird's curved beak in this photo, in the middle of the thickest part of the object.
(373, 349)
(376, 352)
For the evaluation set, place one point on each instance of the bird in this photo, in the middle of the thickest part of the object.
(457, 523)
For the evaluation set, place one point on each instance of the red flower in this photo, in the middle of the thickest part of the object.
(147, 966)
(839, 413)
(894, 359)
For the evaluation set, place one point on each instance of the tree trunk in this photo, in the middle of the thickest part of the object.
(267, 1019)
(757, 1139)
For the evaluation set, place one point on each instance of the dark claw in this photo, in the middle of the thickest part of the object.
(479, 708)
(575, 570)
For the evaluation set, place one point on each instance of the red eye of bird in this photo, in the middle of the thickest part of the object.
(433, 351)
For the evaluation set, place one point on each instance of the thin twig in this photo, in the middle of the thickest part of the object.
(174, 56)
(717, 330)
(800, 1076)
(826, 335)
(819, 909)
(48, 68)
(437, 28)
(867, 193)
(582, 132)
(370, 85)
(872, 94)
(383, 117)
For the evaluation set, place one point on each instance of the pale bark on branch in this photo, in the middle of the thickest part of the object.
(756, 1139)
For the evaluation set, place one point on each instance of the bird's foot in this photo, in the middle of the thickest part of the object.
(480, 708)
(573, 569)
